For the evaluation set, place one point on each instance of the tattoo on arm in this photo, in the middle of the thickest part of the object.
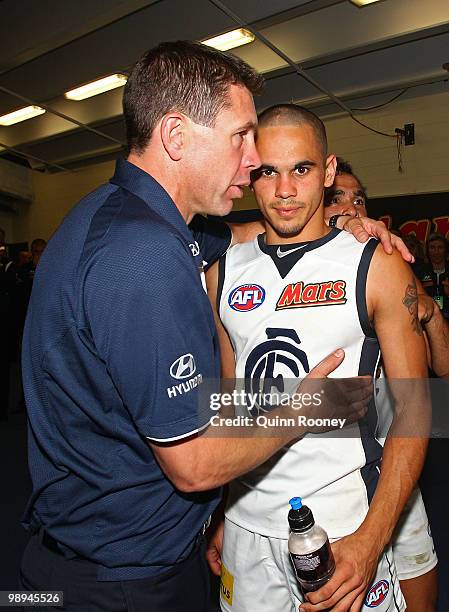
(410, 301)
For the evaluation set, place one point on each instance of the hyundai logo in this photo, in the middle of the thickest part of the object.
(183, 367)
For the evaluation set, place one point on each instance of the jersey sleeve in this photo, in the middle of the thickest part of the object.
(213, 237)
(152, 326)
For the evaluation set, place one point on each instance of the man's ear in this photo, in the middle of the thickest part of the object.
(331, 168)
(172, 130)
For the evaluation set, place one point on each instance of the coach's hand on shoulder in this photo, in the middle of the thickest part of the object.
(363, 228)
(356, 559)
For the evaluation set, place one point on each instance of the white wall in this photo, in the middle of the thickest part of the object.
(374, 157)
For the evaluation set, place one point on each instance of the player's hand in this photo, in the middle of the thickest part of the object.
(356, 560)
(215, 547)
(363, 228)
(427, 308)
(334, 399)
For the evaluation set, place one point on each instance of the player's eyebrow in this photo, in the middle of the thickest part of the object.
(299, 164)
(305, 162)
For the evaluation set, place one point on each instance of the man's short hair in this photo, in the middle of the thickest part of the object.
(293, 114)
(182, 76)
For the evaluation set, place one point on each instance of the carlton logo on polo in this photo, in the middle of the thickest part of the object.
(246, 297)
(183, 367)
(195, 248)
(377, 594)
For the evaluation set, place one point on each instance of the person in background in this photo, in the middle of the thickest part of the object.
(435, 277)
(411, 541)
(347, 195)
(416, 249)
(6, 296)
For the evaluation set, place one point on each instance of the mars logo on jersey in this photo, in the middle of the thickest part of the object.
(377, 594)
(298, 295)
(246, 297)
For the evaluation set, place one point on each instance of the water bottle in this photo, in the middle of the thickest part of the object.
(309, 548)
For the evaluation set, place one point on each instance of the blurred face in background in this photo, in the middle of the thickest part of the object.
(36, 251)
(436, 250)
(345, 197)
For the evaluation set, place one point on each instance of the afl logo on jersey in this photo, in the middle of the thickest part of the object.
(377, 594)
(246, 297)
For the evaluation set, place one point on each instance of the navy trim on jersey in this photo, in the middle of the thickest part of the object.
(286, 263)
(362, 274)
(392, 584)
(221, 280)
(369, 359)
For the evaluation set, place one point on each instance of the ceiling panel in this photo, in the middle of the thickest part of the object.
(49, 46)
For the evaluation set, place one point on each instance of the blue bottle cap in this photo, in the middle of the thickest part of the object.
(295, 503)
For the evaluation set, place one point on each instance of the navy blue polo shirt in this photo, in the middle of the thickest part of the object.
(118, 339)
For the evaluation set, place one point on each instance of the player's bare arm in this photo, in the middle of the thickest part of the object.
(393, 309)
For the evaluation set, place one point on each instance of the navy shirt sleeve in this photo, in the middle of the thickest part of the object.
(213, 237)
(152, 324)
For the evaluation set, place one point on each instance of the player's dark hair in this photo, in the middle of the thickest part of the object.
(181, 76)
(344, 167)
(293, 114)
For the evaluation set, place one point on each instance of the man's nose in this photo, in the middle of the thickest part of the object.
(251, 159)
(285, 186)
(349, 208)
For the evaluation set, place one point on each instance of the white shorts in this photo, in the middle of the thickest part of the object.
(413, 549)
(257, 575)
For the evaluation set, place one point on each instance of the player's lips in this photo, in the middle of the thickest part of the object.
(286, 212)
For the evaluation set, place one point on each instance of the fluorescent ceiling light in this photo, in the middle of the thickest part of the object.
(22, 114)
(230, 40)
(96, 87)
(363, 2)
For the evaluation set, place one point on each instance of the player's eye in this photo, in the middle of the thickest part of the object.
(267, 172)
(302, 170)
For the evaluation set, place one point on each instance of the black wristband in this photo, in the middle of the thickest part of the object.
(333, 220)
